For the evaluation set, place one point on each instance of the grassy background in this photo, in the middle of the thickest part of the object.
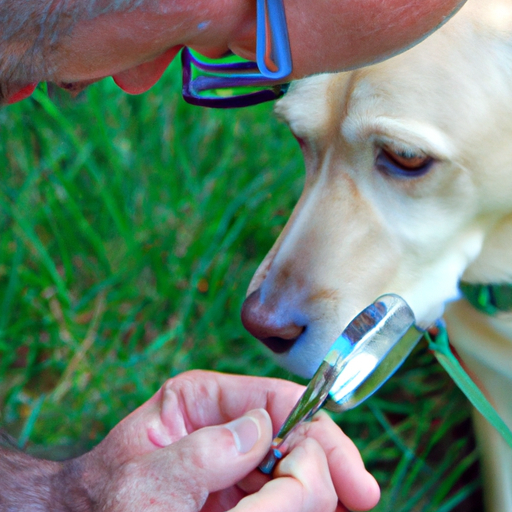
(131, 227)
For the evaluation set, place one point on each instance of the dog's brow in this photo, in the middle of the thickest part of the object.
(430, 140)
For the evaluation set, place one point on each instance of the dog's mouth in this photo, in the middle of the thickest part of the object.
(263, 321)
(279, 345)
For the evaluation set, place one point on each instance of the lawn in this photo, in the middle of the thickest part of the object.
(131, 227)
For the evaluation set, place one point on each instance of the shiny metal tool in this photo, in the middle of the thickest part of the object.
(368, 352)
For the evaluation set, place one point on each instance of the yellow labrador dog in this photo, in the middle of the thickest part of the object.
(408, 190)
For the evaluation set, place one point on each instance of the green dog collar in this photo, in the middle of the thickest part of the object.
(488, 298)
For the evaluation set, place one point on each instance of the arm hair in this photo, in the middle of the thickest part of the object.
(35, 485)
(31, 29)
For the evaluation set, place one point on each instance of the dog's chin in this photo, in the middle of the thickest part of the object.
(427, 314)
(294, 362)
(307, 353)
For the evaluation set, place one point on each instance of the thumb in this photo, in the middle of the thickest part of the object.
(217, 457)
(181, 476)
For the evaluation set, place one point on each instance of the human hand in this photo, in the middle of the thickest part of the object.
(135, 46)
(195, 444)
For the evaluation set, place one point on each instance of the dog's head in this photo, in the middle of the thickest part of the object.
(408, 187)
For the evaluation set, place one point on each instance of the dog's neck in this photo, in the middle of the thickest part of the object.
(493, 267)
(494, 263)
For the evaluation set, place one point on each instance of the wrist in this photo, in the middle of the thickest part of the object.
(72, 487)
(28, 483)
(35, 484)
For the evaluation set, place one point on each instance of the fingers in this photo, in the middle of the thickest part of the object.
(210, 398)
(355, 487)
(191, 401)
(223, 455)
(217, 457)
(172, 435)
(302, 484)
(323, 471)
(181, 476)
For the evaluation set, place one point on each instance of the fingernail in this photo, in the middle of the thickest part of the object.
(246, 432)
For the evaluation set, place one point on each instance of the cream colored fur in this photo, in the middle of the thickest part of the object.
(357, 232)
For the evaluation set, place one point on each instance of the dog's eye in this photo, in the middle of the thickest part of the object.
(403, 163)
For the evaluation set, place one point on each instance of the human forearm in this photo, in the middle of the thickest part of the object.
(29, 484)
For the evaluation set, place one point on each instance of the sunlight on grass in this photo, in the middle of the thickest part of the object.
(131, 227)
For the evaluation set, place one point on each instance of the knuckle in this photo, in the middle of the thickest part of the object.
(176, 389)
(197, 460)
(185, 379)
(168, 389)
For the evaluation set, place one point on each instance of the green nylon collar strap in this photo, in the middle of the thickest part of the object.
(440, 345)
(488, 298)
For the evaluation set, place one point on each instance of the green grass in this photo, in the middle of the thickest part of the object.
(131, 227)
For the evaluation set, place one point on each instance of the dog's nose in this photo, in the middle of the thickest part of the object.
(261, 320)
